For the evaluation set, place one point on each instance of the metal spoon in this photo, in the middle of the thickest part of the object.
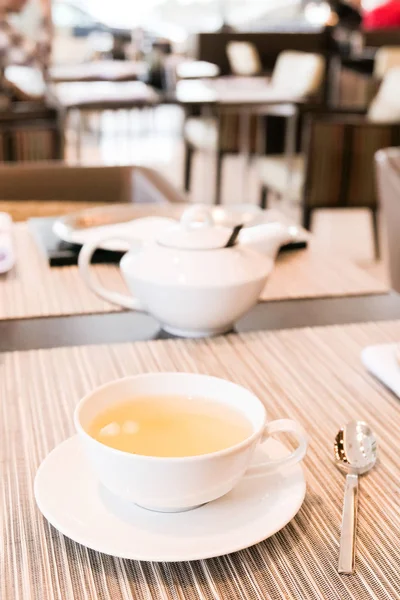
(355, 453)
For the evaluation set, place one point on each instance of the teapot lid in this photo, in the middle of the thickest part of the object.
(195, 231)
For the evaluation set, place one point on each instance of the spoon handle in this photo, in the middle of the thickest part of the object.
(349, 525)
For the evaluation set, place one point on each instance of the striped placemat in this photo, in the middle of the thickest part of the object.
(312, 375)
(33, 289)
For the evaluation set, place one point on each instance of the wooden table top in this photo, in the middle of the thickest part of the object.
(313, 376)
(233, 91)
(101, 70)
(104, 95)
(280, 312)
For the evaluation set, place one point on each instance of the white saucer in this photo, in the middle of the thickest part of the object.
(72, 500)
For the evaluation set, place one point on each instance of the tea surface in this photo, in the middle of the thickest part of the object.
(170, 426)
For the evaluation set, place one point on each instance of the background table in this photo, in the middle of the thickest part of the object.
(247, 93)
(312, 375)
(101, 70)
(82, 97)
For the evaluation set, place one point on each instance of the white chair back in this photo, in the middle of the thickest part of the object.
(385, 107)
(300, 73)
(386, 58)
(27, 83)
(244, 59)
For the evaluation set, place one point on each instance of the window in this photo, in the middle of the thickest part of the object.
(191, 15)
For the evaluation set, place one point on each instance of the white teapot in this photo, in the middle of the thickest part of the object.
(188, 279)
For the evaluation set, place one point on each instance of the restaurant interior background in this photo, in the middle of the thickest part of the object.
(199, 207)
(155, 36)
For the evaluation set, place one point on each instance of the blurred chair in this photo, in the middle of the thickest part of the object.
(244, 58)
(388, 178)
(335, 169)
(25, 83)
(358, 85)
(270, 40)
(386, 106)
(386, 58)
(297, 73)
(300, 73)
(54, 188)
(30, 131)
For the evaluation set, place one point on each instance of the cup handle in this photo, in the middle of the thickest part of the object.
(84, 261)
(281, 426)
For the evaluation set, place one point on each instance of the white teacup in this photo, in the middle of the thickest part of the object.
(178, 484)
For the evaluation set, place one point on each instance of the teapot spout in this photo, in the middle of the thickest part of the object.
(267, 238)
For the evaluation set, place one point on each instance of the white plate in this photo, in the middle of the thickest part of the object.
(140, 230)
(124, 220)
(72, 500)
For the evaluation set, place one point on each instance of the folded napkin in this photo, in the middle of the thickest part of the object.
(7, 257)
(383, 362)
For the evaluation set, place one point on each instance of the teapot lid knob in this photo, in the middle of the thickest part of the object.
(195, 231)
(197, 216)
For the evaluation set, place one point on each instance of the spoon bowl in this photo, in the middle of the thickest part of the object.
(355, 448)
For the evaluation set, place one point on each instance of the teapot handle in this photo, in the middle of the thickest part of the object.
(84, 261)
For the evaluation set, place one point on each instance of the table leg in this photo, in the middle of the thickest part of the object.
(214, 189)
(98, 120)
(78, 138)
(290, 151)
(244, 146)
(261, 137)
